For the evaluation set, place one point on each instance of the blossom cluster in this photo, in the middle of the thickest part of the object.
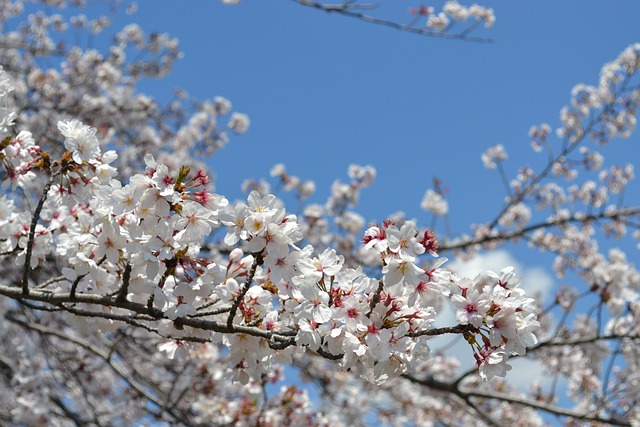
(90, 86)
(454, 11)
(143, 241)
(503, 317)
(613, 102)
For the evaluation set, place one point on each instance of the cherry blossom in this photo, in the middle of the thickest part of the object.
(132, 291)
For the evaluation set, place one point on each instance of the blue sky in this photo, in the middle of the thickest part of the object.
(325, 91)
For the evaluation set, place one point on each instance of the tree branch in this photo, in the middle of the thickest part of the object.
(104, 355)
(376, 297)
(466, 393)
(348, 9)
(32, 235)
(509, 235)
(236, 303)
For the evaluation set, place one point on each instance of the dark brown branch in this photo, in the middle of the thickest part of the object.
(509, 235)
(61, 298)
(74, 285)
(466, 393)
(77, 420)
(277, 340)
(328, 355)
(126, 276)
(32, 235)
(350, 10)
(212, 312)
(170, 268)
(52, 281)
(376, 297)
(236, 303)
(580, 341)
(483, 414)
(458, 329)
(5, 369)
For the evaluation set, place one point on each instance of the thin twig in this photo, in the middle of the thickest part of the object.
(467, 392)
(376, 297)
(509, 235)
(32, 235)
(126, 276)
(236, 303)
(350, 11)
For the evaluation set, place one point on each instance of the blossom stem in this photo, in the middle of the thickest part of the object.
(32, 235)
(376, 297)
(122, 294)
(236, 303)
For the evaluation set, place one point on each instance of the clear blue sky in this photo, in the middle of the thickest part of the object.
(324, 91)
